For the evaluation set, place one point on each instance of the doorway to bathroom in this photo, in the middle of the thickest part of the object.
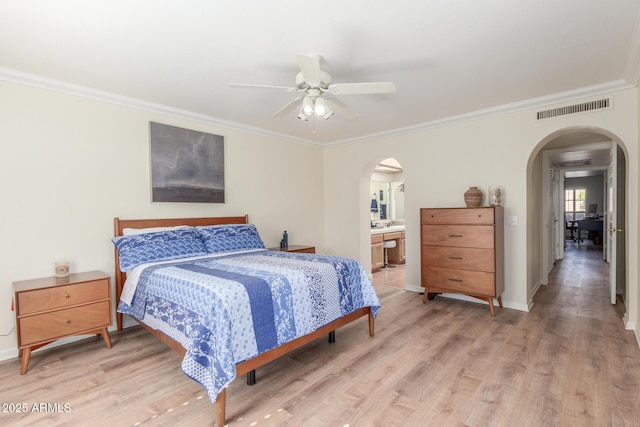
(387, 214)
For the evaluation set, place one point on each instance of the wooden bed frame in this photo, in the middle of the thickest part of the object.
(247, 366)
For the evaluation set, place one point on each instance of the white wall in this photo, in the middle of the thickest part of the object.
(440, 163)
(70, 164)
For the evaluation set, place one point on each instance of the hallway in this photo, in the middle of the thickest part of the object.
(579, 284)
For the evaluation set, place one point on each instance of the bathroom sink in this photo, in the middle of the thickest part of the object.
(389, 229)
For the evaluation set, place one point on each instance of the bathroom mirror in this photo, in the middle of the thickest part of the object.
(387, 200)
(387, 191)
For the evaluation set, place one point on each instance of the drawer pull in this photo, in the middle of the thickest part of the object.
(455, 235)
(455, 280)
(455, 257)
(68, 322)
(66, 296)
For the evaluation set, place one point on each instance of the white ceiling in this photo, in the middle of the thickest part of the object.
(447, 58)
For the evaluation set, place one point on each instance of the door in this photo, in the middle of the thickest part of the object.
(611, 221)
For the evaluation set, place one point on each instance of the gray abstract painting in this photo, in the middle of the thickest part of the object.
(186, 165)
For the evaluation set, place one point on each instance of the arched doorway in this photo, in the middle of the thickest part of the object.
(581, 148)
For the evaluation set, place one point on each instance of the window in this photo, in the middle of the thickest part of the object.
(575, 205)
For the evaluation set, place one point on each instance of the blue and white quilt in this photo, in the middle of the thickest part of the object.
(230, 308)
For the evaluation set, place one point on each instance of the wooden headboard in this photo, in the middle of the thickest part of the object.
(120, 224)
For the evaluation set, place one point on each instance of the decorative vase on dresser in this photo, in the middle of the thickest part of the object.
(473, 197)
(462, 251)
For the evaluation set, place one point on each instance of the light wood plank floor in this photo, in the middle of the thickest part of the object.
(568, 362)
(394, 277)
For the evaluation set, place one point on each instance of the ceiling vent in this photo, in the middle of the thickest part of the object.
(577, 108)
(574, 163)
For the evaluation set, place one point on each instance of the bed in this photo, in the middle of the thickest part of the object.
(209, 289)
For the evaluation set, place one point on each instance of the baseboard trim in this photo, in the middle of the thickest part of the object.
(462, 297)
(12, 353)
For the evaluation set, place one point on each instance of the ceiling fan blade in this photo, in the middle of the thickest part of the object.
(310, 68)
(361, 88)
(290, 106)
(340, 108)
(249, 86)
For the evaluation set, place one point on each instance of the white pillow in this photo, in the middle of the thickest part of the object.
(132, 231)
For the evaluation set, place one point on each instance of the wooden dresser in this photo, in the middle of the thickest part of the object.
(49, 308)
(462, 251)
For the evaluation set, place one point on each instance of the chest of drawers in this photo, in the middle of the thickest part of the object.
(462, 251)
(49, 308)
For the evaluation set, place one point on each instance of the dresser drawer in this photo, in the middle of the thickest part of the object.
(56, 324)
(457, 216)
(460, 258)
(62, 296)
(469, 282)
(466, 236)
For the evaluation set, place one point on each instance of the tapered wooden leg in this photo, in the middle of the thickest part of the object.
(106, 337)
(491, 309)
(221, 403)
(500, 301)
(426, 295)
(371, 324)
(26, 355)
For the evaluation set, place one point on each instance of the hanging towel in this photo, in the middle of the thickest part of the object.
(374, 204)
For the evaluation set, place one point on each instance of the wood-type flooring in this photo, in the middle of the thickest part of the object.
(567, 362)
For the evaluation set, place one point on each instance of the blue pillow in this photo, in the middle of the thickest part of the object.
(230, 237)
(159, 246)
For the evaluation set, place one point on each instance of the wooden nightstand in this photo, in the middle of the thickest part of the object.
(48, 309)
(296, 248)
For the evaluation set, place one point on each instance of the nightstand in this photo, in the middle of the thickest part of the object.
(296, 248)
(49, 308)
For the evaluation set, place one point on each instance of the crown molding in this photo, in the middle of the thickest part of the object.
(46, 83)
(545, 101)
(41, 82)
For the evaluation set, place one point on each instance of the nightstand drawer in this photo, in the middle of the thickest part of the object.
(62, 296)
(56, 324)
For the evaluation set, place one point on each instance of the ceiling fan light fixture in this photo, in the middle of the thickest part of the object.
(317, 92)
(328, 114)
(320, 107)
(307, 106)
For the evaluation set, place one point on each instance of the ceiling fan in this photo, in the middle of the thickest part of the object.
(318, 93)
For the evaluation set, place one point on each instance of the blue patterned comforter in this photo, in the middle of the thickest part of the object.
(227, 309)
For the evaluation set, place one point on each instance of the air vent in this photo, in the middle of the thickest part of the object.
(577, 108)
(575, 163)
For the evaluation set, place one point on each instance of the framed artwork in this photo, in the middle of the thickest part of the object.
(186, 165)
